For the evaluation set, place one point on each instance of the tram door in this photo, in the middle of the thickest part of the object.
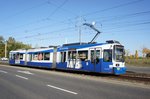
(17, 58)
(95, 55)
(54, 58)
(71, 63)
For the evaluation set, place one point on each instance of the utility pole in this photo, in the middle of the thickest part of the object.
(80, 34)
(6, 49)
(80, 21)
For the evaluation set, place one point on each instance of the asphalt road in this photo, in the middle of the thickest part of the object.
(139, 69)
(27, 83)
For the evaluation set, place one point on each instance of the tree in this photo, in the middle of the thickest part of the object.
(136, 54)
(145, 51)
(1, 39)
(12, 44)
(127, 52)
(131, 57)
(148, 55)
(2, 46)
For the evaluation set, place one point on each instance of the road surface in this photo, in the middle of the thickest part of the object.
(139, 69)
(27, 83)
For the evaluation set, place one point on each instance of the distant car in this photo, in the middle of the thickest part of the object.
(4, 58)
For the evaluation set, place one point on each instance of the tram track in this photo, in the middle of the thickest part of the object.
(136, 77)
(129, 76)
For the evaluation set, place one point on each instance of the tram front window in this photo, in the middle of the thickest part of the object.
(119, 53)
(107, 55)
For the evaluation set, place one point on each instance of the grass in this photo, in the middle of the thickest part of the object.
(138, 62)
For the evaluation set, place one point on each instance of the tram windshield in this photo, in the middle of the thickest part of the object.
(119, 53)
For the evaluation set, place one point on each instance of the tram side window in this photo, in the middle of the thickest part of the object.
(95, 56)
(12, 56)
(83, 55)
(35, 56)
(40, 56)
(92, 56)
(46, 56)
(21, 56)
(17, 56)
(107, 55)
(72, 55)
(63, 56)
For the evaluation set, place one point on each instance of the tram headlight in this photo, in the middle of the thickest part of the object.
(117, 64)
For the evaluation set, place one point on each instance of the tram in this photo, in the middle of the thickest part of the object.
(105, 57)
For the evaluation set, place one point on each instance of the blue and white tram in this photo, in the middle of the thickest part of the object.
(17, 57)
(98, 57)
(40, 57)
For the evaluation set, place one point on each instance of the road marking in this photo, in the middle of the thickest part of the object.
(3, 71)
(25, 72)
(62, 89)
(22, 77)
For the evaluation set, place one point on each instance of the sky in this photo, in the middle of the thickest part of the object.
(42, 23)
